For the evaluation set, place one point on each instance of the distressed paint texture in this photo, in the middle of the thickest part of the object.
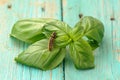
(10, 47)
(107, 56)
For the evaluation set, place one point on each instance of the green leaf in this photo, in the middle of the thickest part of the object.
(81, 54)
(37, 55)
(62, 30)
(32, 30)
(89, 28)
(93, 44)
(29, 30)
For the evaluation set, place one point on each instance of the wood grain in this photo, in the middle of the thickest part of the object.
(10, 47)
(107, 56)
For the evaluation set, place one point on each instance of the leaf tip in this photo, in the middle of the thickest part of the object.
(16, 59)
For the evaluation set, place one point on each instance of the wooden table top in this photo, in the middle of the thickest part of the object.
(107, 56)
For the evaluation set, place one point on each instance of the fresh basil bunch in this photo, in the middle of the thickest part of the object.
(48, 50)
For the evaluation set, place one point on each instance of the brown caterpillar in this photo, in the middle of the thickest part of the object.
(51, 41)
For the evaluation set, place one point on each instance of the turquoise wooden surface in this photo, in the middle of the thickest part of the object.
(10, 47)
(107, 56)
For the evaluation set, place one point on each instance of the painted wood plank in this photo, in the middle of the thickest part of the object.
(10, 47)
(107, 56)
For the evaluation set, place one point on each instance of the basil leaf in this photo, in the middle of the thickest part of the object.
(90, 28)
(32, 30)
(81, 54)
(29, 30)
(37, 55)
(94, 44)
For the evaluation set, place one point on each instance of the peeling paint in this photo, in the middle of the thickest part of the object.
(117, 50)
(51, 9)
(118, 58)
(50, 75)
(64, 3)
(38, 4)
(116, 39)
(115, 31)
(64, 13)
(2, 2)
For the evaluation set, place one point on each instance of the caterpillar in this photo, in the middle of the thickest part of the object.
(51, 41)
